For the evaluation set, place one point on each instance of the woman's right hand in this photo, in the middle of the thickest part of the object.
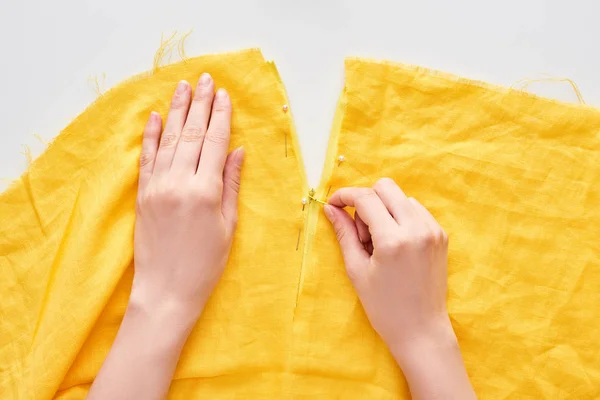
(396, 254)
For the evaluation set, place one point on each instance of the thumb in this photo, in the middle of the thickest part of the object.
(355, 256)
(231, 187)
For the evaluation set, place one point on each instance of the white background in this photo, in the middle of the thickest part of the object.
(51, 48)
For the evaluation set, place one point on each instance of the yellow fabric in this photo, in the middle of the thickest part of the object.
(513, 179)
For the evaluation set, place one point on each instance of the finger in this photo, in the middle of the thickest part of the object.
(394, 199)
(369, 248)
(363, 233)
(429, 220)
(188, 150)
(363, 230)
(175, 121)
(231, 187)
(216, 142)
(149, 149)
(355, 256)
(368, 205)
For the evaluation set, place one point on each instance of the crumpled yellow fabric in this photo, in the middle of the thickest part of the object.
(513, 178)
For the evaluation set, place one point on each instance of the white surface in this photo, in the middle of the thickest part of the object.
(51, 48)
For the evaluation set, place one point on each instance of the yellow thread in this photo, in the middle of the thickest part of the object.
(27, 152)
(41, 139)
(181, 45)
(166, 46)
(526, 82)
(96, 86)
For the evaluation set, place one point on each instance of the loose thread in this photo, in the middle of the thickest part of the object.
(181, 45)
(526, 82)
(95, 84)
(328, 191)
(41, 139)
(27, 152)
(166, 46)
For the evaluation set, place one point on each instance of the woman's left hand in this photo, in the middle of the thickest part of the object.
(187, 200)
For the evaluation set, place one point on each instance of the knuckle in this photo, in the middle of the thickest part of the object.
(145, 159)
(192, 134)
(216, 136)
(168, 139)
(340, 232)
(209, 195)
(428, 238)
(214, 184)
(221, 106)
(180, 101)
(171, 198)
(151, 134)
(233, 182)
(383, 182)
(391, 244)
(365, 196)
(444, 236)
(209, 199)
(203, 95)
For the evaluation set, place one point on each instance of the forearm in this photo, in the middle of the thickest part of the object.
(142, 360)
(434, 368)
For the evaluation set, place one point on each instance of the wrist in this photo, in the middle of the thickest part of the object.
(163, 317)
(432, 364)
(437, 338)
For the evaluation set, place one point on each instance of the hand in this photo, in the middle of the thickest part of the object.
(396, 257)
(187, 201)
(186, 216)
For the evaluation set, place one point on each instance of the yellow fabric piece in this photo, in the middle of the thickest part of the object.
(510, 176)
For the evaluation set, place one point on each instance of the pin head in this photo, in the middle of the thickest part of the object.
(285, 108)
(341, 158)
(304, 200)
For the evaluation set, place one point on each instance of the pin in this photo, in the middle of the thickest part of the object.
(341, 160)
(298, 240)
(285, 108)
(311, 196)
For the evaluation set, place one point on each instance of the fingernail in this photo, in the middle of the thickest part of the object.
(328, 212)
(240, 153)
(154, 116)
(221, 94)
(181, 86)
(205, 79)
